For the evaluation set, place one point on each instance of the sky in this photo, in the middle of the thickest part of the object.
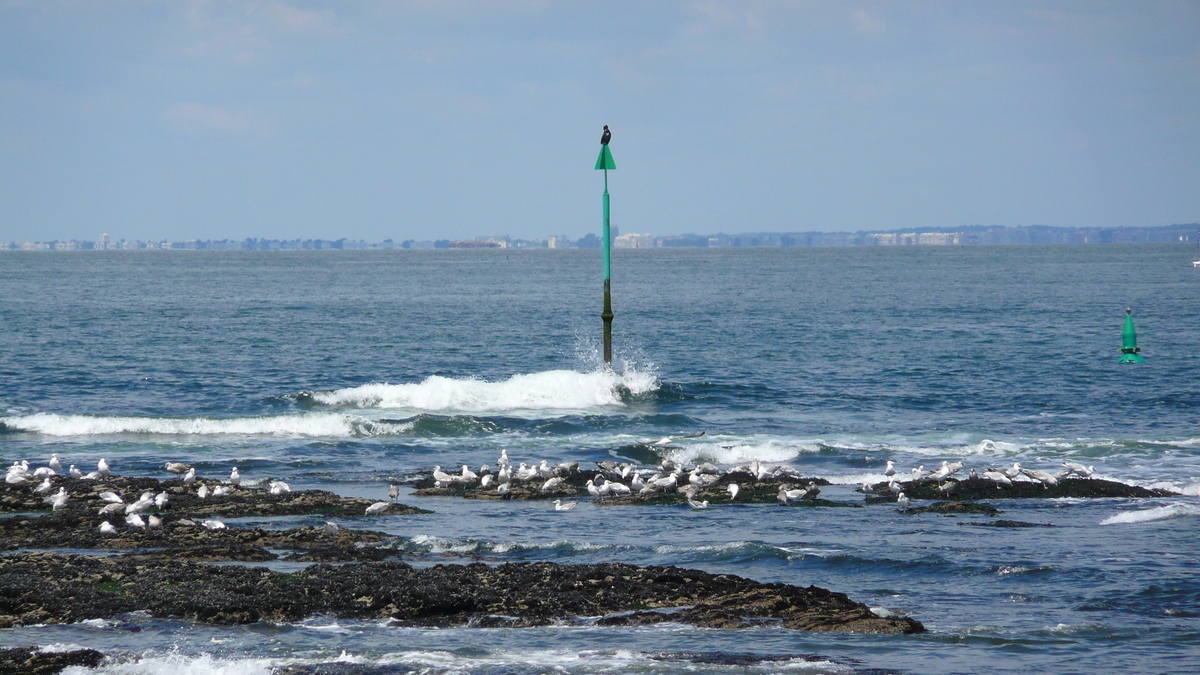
(432, 119)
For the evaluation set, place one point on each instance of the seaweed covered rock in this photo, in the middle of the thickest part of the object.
(34, 661)
(981, 488)
(183, 499)
(50, 588)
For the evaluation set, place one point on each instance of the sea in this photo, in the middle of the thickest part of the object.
(349, 370)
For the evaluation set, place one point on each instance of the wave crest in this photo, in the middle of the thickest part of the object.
(318, 425)
(553, 390)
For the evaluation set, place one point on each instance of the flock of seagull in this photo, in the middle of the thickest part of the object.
(944, 477)
(616, 479)
(20, 473)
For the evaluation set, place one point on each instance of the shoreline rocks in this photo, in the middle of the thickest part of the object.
(53, 588)
(980, 488)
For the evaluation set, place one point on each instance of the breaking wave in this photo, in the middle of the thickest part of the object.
(553, 390)
(322, 425)
(1149, 515)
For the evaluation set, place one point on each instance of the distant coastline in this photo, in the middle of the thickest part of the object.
(972, 235)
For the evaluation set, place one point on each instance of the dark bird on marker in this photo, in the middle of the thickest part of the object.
(606, 136)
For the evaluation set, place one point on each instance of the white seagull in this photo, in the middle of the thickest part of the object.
(134, 520)
(560, 505)
(107, 528)
(75, 473)
(190, 476)
(177, 468)
(733, 490)
(890, 470)
(212, 524)
(903, 501)
(698, 505)
(202, 493)
(377, 507)
(102, 467)
(55, 463)
(235, 477)
(111, 498)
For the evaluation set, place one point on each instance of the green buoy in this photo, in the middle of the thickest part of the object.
(1130, 352)
(605, 162)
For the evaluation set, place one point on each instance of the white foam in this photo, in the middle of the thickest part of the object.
(1149, 515)
(175, 664)
(553, 390)
(324, 425)
(728, 451)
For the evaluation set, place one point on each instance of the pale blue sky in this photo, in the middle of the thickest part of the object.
(443, 119)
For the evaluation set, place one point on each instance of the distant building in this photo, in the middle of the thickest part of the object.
(634, 241)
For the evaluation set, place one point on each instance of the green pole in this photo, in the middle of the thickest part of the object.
(1130, 352)
(605, 162)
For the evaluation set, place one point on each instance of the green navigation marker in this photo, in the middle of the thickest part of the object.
(1130, 352)
(605, 162)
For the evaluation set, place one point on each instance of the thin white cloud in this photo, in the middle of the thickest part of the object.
(198, 118)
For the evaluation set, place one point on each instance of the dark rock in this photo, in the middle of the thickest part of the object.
(183, 538)
(84, 498)
(32, 661)
(980, 488)
(1008, 523)
(957, 507)
(50, 588)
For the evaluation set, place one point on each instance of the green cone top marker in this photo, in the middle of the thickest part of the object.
(1130, 352)
(605, 162)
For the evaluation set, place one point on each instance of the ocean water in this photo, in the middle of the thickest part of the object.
(348, 370)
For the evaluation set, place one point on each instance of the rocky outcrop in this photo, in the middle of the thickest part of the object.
(51, 588)
(33, 661)
(980, 488)
(84, 496)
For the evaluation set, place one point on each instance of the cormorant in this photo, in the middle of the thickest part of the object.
(606, 136)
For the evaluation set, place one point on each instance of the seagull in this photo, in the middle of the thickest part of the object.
(44, 487)
(44, 472)
(1041, 476)
(504, 489)
(134, 520)
(947, 487)
(160, 501)
(279, 487)
(190, 476)
(1014, 471)
(894, 487)
(55, 463)
(177, 467)
(112, 508)
(560, 505)
(202, 493)
(503, 461)
(997, 477)
(331, 527)
(107, 528)
(75, 473)
(222, 490)
(903, 501)
(786, 495)
(615, 488)
(441, 476)
(212, 524)
(1079, 469)
(733, 490)
(154, 522)
(485, 481)
(698, 505)
(552, 484)
(59, 500)
(468, 475)
(235, 477)
(812, 491)
(111, 497)
(141, 504)
(918, 473)
(377, 507)
(393, 491)
(890, 470)
(606, 136)
(102, 468)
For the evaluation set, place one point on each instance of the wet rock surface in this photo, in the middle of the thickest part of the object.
(574, 483)
(187, 538)
(1008, 523)
(33, 661)
(183, 501)
(980, 488)
(53, 588)
(956, 507)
